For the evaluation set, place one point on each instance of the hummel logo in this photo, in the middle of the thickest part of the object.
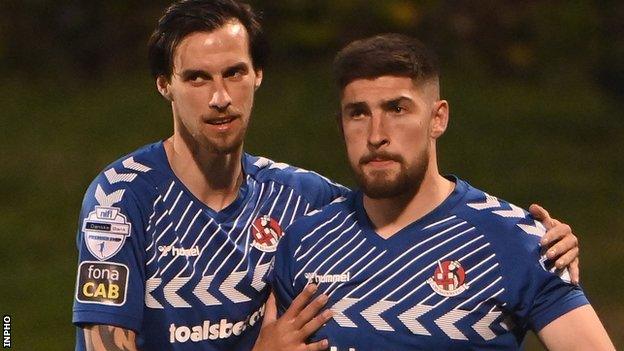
(327, 278)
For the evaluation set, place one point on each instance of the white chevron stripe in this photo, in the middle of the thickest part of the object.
(490, 202)
(228, 287)
(108, 199)
(339, 309)
(171, 292)
(188, 207)
(114, 177)
(279, 165)
(536, 229)
(408, 264)
(292, 217)
(327, 246)
(439, 222)
(373, 314)
(201, 291)
(168, 191)
(151, 285)
(262, 162)
(257, 282)
(130, 163)
(482, 326)
(410, 317)
(363, 269)
(311, 249)
(336, 252)
(515, 212)
(447, 323)
(253, 215)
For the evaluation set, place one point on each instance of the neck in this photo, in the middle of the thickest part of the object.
(390, 215)
(213, 178)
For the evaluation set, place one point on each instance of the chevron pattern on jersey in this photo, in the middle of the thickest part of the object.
(492, 204)
(225, 269)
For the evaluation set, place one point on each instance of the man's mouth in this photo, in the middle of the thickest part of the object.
(221, 121)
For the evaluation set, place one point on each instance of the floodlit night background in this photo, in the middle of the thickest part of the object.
(535, 89)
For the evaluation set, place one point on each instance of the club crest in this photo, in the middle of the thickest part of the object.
(266, 233)
(449, 278)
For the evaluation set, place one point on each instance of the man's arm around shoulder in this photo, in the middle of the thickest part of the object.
(579, 329)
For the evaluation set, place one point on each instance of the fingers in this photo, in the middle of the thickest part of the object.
(541, 214)
(565, 244)
(566, 258)
(318, 346)
(300, 302)
(270, 310)
(310, 311)
(555, 233)
(575, 272)
(313, 325)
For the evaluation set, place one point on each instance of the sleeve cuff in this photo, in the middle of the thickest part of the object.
(83, 317)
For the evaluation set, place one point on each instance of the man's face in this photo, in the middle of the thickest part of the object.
(212, 88)
(389, 127)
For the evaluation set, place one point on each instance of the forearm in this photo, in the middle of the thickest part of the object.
(109, 338)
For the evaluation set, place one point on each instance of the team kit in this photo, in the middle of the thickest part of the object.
(154, 258)
(410, 260)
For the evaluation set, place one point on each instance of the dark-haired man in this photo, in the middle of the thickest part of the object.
(416, 260)
(175, 238)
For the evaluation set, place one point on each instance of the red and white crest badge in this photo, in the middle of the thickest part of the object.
(449, 278)
(266, 233)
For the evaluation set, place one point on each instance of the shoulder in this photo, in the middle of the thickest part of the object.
(315, 188)
(500, 219)
(131, 179)
(309, 228)
(512, 231)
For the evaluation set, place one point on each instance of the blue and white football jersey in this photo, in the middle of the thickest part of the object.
(468, 275)
(156, 260)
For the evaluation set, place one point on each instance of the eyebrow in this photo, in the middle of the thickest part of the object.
(241, 66)
(395, 101)
(356, 105)
(187, 73)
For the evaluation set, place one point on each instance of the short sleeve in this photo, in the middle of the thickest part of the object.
(554, 298)
(547, 294)
(110, 274)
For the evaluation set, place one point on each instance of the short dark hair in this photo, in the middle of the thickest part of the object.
(188, 16)
(385, 54)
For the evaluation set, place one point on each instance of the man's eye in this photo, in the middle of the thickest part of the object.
(356, 113)
(197, 79)
(398, 109)
(234, 75)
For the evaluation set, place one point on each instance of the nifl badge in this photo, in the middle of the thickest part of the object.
(105, 231)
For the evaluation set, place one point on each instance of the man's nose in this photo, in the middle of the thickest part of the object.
(221, 100)
(376, 133)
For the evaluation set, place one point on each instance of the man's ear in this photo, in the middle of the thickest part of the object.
(440, 118)
(259, 76)
(164, 88)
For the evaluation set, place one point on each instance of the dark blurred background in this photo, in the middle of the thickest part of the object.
(535, 89)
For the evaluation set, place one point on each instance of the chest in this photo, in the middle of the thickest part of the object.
(194, 257)
(449, 290)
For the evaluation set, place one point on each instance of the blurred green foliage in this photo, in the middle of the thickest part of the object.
(534, 89)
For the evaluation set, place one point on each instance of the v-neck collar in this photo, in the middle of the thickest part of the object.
(226, 214)
(405, 234)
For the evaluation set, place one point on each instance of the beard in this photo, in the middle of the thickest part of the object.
(384, 184)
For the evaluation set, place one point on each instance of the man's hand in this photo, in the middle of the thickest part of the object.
(561, 243)
(291, 331)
